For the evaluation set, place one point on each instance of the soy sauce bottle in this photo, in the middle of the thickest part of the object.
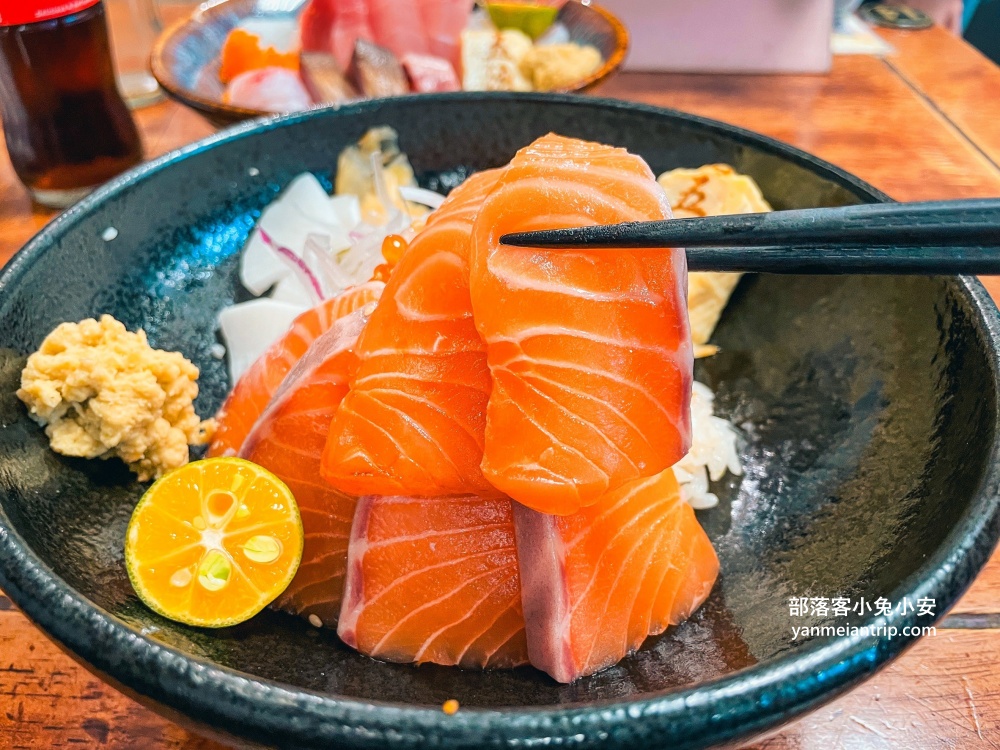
(66, 126)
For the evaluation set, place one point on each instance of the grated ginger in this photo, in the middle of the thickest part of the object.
(102, 392)
(551, 67)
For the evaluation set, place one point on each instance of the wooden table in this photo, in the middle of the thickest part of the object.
(921, 124)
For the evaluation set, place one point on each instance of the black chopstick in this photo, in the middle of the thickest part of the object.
(939, 237)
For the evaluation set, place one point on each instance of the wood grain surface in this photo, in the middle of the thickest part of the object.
(943, 693)
(919, 125)
(964, 92)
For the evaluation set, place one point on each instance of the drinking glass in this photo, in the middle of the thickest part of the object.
(135, 24)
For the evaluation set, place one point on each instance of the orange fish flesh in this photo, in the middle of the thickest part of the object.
(413, 421)
(253, 392)
(589, 351)
(434, 580)
(599, 582)
(288, 440)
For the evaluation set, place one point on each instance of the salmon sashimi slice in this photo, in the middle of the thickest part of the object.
(589, 351)
(288, 440)
(413, 421)
(258, 384)
(434, 581)
(598, 582)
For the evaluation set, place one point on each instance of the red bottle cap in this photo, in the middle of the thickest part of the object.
(18, 12)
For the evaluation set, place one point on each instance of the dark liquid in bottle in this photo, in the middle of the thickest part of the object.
(67, 127)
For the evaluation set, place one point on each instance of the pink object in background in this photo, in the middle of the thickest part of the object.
(727, 36)
(333, 26)
(268, 90)
(428, 73)
(351, 23)
(444, 21)
(399, 26)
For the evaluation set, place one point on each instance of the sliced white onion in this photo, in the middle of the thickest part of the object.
(302, 209)
(347, 209)
(422, 196)
(332, 274)
(290, 290)
(298, 267)
(249, 328)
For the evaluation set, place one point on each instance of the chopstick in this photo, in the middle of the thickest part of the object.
(935, 237)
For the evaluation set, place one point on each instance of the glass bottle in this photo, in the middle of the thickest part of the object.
(65, 123)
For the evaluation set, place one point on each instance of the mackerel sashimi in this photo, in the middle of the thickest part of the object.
(288, 440)
(599, 582)
(253, 392)
(589, 351)
(414, 418)
(434, 581)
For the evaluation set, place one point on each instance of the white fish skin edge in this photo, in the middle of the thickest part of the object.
(544, 597)
(353, 601)
(249, 328)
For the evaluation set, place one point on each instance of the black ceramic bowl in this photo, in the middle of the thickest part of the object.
(869, 407)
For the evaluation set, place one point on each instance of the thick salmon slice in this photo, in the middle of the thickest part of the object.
(288, 439)
(434, 580)
(599, 582)
(413, 421)
(589, 351)
(251, 395)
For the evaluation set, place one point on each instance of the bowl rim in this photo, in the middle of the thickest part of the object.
(168, 82)
(755, 698)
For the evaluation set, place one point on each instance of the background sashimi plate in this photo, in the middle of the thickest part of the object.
(185, 59)
(868, 407)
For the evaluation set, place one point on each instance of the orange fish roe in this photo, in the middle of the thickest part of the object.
(393, 248)
(450, 707)
(242, 52)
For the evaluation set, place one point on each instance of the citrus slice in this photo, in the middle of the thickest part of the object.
(534, 19)
(214, 542)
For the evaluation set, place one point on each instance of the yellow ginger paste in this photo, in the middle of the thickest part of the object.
(101, 391)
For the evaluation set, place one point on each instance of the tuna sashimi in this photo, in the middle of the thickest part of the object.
(413, 421)
(598, 582)
(254, 390)
(352, 23)
(334, 27)
(398, 26)
(288, 439)
(589, 351)
(434, 581)
(316, 25)
(444, 21)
